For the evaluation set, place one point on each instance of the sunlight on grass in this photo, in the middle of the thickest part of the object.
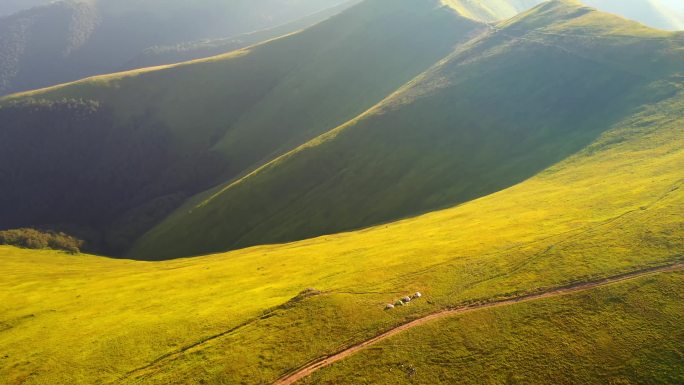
(623, 334)
(556, 228)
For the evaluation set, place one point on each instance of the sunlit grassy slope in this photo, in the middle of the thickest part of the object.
(653, 13)
(630, 333)
(491, 10)
(225, 319)
(492, 114)
(188, 127)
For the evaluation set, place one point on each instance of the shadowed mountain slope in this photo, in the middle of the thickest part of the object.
(69, 151)
(535, 90)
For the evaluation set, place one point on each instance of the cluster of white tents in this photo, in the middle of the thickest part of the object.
(403, 301)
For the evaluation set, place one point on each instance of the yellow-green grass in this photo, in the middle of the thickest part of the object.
(629, 333)
(615, 207)
(568, 224)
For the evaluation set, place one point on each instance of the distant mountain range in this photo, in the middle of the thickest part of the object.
(71, 39)
(44, 43)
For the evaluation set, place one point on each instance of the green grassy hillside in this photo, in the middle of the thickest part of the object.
(626, 334)
(614, 207)
(492, 114)
(654, 13)
(68, 160)
(491, 10)
(71, 39)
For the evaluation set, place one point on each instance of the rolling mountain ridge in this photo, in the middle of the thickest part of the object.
(533, 91)
(614, 207)
(188, 127)
(654, 13)
(464, 202)
(67, 40)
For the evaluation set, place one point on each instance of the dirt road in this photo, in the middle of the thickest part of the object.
(310, 368)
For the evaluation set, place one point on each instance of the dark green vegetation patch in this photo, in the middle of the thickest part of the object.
(36, 239)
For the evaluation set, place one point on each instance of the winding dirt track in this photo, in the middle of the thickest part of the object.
(320, 363)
